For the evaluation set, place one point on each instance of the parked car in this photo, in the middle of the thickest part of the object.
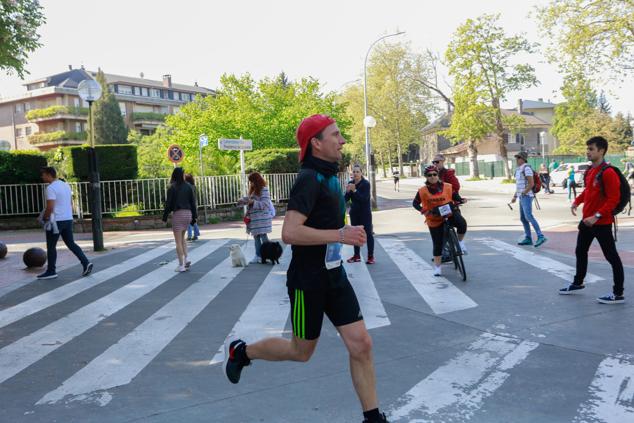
(559, 177)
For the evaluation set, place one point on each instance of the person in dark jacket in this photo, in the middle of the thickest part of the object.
(446, 174)
(182, 202)
(358, 192)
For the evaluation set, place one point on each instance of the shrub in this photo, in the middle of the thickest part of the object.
(56, 110)
(115, 161)
(44, 137)
(148, 116)
(21, 167)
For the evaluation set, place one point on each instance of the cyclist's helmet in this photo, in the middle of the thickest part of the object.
(429, 169)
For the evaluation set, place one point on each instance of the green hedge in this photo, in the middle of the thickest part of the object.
(279, 160)
(21, 167)
(115, 162)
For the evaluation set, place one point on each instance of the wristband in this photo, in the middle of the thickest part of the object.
(342, 234)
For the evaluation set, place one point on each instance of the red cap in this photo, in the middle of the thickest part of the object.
(308, 128)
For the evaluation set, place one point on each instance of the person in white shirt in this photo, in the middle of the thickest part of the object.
(524, 178)
(59, 208)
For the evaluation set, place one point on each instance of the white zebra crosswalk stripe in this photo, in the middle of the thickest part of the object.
(374, 314)
(554, 267)
(611, 392)
(439, 293)
(123, 361)
(21, 354)
(35, 304)
(456, 390)
(267, 312)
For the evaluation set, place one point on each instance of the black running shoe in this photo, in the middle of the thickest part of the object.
(383, 419)
(47, 275)
(235, 359)
(570, 289)
(87, 269)
(611, 299)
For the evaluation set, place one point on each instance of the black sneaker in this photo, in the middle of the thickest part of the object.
(570, 289)
(382, 419)
(195, 238)
(47, 275)
(87, 269)
(611, 299)
(235, 359)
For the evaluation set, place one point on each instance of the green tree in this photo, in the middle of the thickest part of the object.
(107, 120)
(604, 106)
(471, 120)
(480, 51)
(266, 112)
(19, 22)
(597, 35)
(622, 130)
(152, 155)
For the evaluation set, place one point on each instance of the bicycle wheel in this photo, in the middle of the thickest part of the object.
(457, 254)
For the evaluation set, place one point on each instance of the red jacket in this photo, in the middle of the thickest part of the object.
(449, 176)
(593, 199)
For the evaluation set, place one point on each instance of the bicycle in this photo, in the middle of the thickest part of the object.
(451, 241)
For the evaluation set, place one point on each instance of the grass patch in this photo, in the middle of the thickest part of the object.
(508, 181)
(213, 220)
(131, 210)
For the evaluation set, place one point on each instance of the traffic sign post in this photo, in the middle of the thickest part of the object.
(175, 154)
(238, 145)
(203, 141)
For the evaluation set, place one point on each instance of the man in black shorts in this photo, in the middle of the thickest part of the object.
(317, 282)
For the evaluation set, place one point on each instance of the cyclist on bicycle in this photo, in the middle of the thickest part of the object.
(429, 200)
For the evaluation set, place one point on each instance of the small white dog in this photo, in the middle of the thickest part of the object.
(237, 256)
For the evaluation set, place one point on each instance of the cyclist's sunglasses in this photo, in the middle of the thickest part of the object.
(431, 174)
(435, 161)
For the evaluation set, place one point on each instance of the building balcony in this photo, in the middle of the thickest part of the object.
(53, 139)
(57, 113)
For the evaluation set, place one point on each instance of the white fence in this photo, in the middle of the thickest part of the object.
(142, 195)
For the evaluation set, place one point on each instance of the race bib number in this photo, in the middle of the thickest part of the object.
(444, 210)
(333, 255)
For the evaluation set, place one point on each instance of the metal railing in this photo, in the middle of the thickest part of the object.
(142, 195)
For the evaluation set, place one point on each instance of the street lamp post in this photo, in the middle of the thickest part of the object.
(369, 167)
(90, 91)
(542, 137)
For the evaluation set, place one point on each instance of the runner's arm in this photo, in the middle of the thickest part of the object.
(294, 232)
(417, 203)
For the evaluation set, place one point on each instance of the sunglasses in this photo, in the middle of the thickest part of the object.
(431, 174)
(435, 161)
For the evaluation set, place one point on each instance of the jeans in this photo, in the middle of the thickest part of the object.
(195, 230)
(259, 240)
(603, 234)
(367, 226)
(526, 216)
(66, 232)
(572, 188)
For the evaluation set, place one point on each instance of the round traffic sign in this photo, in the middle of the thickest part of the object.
(175, 153)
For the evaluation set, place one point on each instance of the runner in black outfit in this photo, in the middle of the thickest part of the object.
(317, 282)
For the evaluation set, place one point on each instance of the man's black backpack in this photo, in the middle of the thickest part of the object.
(626, 194)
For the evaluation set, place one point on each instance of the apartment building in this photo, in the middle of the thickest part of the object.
(51, 113)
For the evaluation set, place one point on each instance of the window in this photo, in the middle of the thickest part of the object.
(27, 130)
(27, 107)
(77, 126)
(122, 108)
(18, 132)
(144, 92)
(136, 90)
(76, 101)
(125, 89)
(155, 93)
(164, 110)
(185, 96)
(111, 88)
(19, 108)
(519, 139)
(175, 96)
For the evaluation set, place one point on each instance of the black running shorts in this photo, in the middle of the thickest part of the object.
(334, 297)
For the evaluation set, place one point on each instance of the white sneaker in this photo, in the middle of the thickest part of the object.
(463, 248)
(255, 260)
(187, 263)
(180, 268)
(437, 271)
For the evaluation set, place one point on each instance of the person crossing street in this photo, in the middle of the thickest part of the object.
(524, 177)
(358, 193)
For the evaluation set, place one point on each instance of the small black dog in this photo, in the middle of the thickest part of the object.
(271, 251)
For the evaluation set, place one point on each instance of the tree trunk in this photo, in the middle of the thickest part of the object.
(382, 162)
(499, 134)
(400, 158)
(474, 170)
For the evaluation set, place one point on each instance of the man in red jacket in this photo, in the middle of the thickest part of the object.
(599, 198)
(445, 174)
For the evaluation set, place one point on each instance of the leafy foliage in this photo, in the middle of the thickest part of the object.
(19, 22)
(21, 166)
(114, 161)
(44, 137)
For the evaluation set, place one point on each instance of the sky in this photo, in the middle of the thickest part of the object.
(201, 40)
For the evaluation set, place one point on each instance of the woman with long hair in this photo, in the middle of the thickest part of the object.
(259, 213)
(182, 202)
(192, 228)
